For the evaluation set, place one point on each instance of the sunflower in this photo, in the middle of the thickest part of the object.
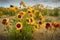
(33, 11)
(31, 20)
(29, 7)
(41, 23)
(13, 9)
(41, 19)
(22, 3)
(19, 16)
(29, 11)
(36, 27)
(49, 26)
(31, 15)
(16, 7)
(11, 5)
(57, 25)
(18, 25)
(27, 20)
(54, 22)
(22, 13)
(5, 21)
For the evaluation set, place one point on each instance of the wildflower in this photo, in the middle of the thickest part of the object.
(27, 20)
(22, 3)
(41, 23)
(13, 8)
(22, 13)
(19, 16)
(5, 21)
(49, 26)
(31, 20)
(29, 8)
(36, 27)
(41, 19)
(31, 15)
(18, 25)
(33, 11)
(16, 7)
(29, 11)
(11, 5)
(55, 24)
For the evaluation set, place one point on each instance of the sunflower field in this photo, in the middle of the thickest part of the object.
(29, 22)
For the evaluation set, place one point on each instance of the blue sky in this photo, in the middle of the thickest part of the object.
(51, 3)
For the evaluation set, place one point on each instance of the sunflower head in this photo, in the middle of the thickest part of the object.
(49, 26)
(11, 5)
(41, 19)
(22, 13)
(22, 3)
(29, 11)
(36, 27)
(31, 20)
(31, 15)
(19, 16)
(27, 20)
(13, 9)
(18, 25)
(57, 25)
(16, 8)
(5, 21)
(29, 7)
(41, 23)
(54, 23)
(33, 11)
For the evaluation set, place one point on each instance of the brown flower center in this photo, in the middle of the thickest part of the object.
(4, 21)
(29, 12)
(27, 20)
(11, 5)
(48, 25)
(40, 18)
(18, 25)
(57, 25)
(21, 13)
(31, 20)
(35, 26)
(40, 22)
(19, 16)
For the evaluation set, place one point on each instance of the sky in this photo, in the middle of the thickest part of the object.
(50, 3)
